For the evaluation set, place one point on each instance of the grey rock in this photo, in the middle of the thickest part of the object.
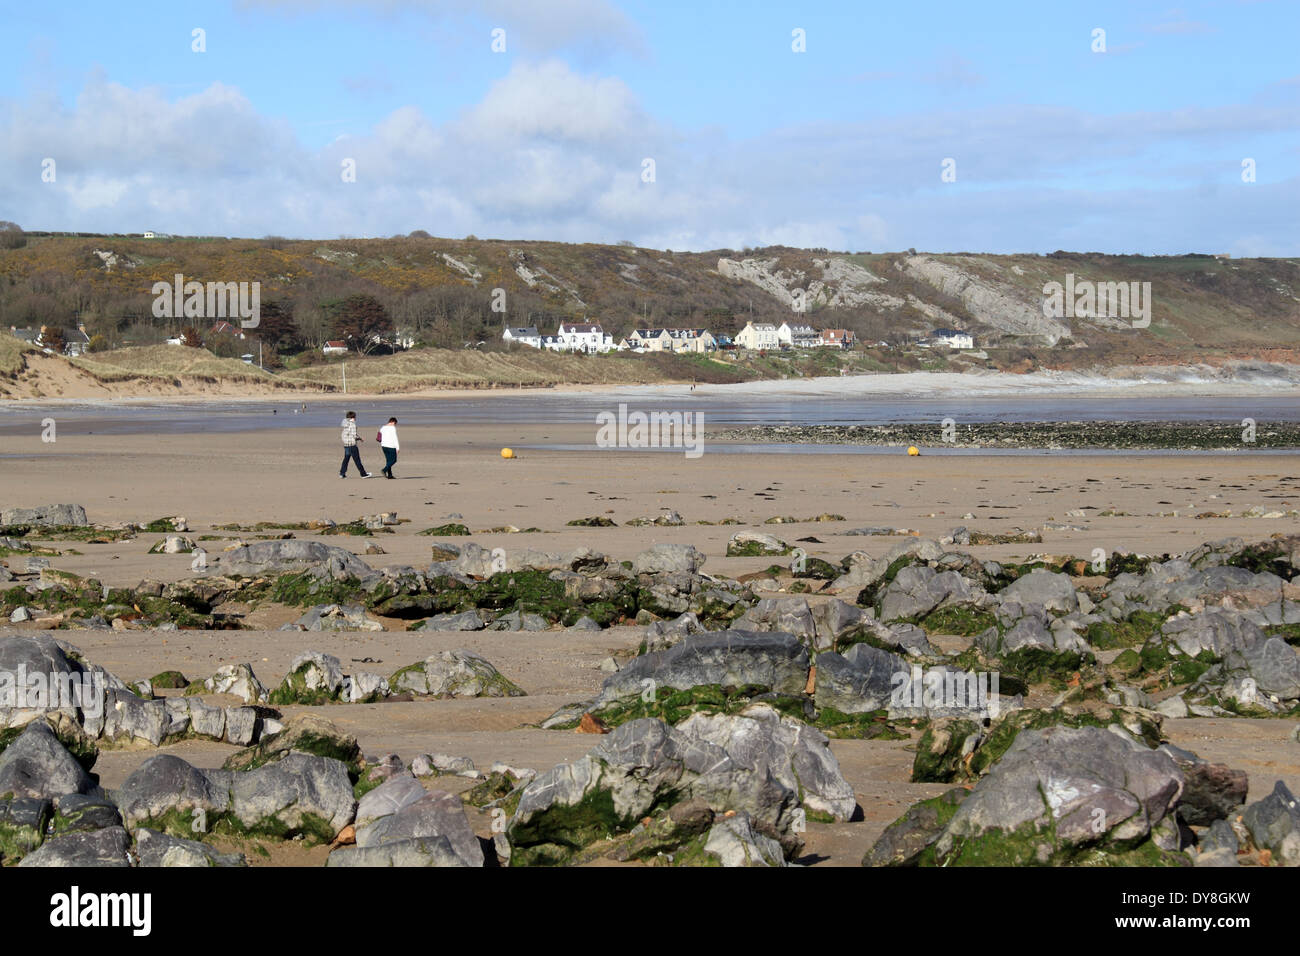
(761, 740)
(790, 615)
(364, 686)
(427, 765)
(292, 787)
(154, 849)
(239, 680)
(664, 558)
(519, 621)
(835, 618)
(129, 719)
(454, 673)
(62, 516)
(1059, 776)
(642, 765)
(433, 814)
(1274, 824)
(338, 617)
(859, 681)
(319, 671)
(37, 765)
(736, 843)
(662, 635)
(387, 798)
(1053, 591)
(1273, 665)
(917, 590)
(166, 782)
(267, 557)
(731, 658)
(39, 659)
(473, 620)
(207, 721)
(241, 725)
(1216, 630)
(78, 811)
(424, 851)
(97, 848)
(766, 543)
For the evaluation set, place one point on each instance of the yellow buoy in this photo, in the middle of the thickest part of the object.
(507, 453)
(913, 450)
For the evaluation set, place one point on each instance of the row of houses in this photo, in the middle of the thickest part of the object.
(589, 337)
(75, 341)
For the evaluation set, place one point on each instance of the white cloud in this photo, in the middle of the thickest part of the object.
(551, 153)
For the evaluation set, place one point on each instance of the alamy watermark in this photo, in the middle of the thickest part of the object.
(58, 690)
(654, 430)
(941, 688)
(213, 300)
(1085, 299)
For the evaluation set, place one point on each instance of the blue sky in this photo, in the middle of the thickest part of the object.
(1135, 149)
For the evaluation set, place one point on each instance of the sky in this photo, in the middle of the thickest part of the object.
(856, 125)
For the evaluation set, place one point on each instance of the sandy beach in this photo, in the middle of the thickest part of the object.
(455, 473)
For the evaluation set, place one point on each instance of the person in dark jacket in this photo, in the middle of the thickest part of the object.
(350, 451)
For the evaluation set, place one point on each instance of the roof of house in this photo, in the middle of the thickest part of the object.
(522, 332)
(336, 344)
(687, 333)
(760, 326)
(648, 333)
(580, 327)
(25, 334)
(947, 332)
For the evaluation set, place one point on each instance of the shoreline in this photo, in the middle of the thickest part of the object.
(1155, 381)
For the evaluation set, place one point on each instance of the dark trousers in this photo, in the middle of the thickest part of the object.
(390, 459)
(351, 453)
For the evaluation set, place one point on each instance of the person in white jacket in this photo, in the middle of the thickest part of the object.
(388, 442)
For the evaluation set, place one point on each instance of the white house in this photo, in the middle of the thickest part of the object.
(335, 347)
(953, 338)
(758, 335)
(584, 337)
(798, 336)
(552, 343)
(523, 336)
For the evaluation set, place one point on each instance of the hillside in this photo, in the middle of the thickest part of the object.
(443, 291)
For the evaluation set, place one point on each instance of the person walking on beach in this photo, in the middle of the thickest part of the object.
(350, 452)
(388, 442)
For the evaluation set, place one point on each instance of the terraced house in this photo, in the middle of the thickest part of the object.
(650, 340)
(692, 340)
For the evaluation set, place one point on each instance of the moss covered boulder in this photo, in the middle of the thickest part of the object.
(1067, 796)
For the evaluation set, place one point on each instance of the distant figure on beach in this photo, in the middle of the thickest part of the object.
(350, 451)
(388, 442)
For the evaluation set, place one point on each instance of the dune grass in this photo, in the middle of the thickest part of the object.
(168, 362)
(446, 368)
(11, 352)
